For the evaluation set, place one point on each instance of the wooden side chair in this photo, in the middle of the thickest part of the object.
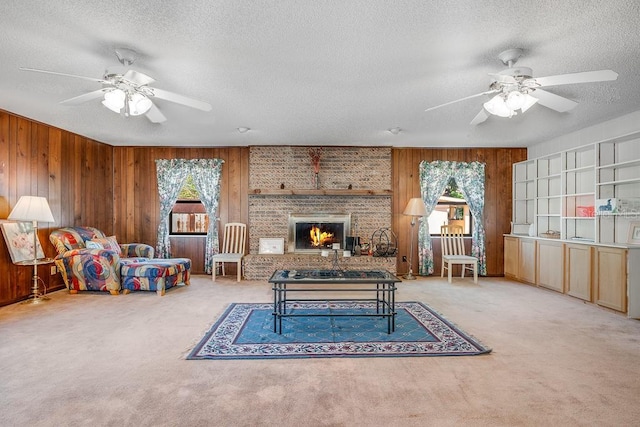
(451, 239)
(235, 235)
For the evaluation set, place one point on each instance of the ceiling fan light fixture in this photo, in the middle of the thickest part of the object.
(498, 107)
(139, 104)
(515, 100)
(114, 100)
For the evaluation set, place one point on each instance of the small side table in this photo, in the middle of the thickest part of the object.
(36, 296)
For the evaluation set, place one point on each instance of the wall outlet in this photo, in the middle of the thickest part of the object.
(54, 270)
(404, 258)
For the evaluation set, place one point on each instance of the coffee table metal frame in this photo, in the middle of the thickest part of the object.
(380, 282)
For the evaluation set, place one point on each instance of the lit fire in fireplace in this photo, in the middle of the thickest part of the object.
(311, 232)
(319, 237)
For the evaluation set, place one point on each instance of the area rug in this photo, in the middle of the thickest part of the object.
(245, 331)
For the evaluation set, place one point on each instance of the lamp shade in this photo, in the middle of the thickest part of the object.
(31, 208)
(515, 100)
(498, 107)
(114, 100)
(415, 207)
(139, 104)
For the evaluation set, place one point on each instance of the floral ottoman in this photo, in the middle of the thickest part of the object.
(155, 274)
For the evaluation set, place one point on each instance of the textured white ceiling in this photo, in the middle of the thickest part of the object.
(318, 72)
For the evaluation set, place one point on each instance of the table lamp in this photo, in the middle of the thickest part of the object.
(33, 208)
(415, 208)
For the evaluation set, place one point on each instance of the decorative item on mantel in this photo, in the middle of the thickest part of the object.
(315, 154)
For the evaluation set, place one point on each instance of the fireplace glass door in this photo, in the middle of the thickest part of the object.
(315, 232)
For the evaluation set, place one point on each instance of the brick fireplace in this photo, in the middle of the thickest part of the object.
(354, 181)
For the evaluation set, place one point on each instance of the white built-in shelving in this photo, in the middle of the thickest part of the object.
(589, 193)
(618, 187)
(588, 199)
(548, 197)
(578, 204)
(524, 192)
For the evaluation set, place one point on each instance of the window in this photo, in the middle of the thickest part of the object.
(188, 215)
(452, 209)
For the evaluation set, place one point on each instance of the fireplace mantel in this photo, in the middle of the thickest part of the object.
(320, 192)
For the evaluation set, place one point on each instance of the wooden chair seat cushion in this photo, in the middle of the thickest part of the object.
(460, 258)
(227, 257)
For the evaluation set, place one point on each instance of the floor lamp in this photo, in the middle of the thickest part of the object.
(415, 208)
(33, 208)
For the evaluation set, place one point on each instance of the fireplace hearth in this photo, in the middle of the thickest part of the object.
(311, 233)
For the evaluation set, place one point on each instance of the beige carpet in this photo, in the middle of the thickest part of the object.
(97, 359)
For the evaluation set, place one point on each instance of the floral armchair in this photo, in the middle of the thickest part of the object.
(89, 260)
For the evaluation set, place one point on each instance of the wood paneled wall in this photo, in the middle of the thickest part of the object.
(74, 174)
(90, 183)
(497, 208)
(136, 204)
(114, 189)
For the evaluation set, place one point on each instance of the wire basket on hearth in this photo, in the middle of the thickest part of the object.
(384, 242)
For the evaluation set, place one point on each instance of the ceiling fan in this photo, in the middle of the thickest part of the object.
(516, 89)
(127, 92)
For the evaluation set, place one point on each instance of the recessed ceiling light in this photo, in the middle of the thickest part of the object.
(244, 130)
(394, 131)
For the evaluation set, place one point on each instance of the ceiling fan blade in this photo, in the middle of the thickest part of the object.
(64, 74)
(138, 78)
(155, 115)
(553, 101)
(479, 118)
(180, 99)
(462, 99)
(89, 96)
(586, 77)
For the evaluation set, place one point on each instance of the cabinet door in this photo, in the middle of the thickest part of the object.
(549, 263)
(611, 278)
(511, 257)
(577, 269)
(527, 261)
